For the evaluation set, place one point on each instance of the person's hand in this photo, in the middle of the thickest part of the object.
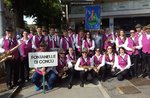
(7, 52)
(85, 69)
(112, 70)
(134, 47)
(96, 70)
(73, 61)
(111, 63)
(66, 68)
(122, 69)
(133, 50)
(43, 70)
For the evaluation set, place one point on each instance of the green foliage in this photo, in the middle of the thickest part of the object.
(8, 3)
(46, 11)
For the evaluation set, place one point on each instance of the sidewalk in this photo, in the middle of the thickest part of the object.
(126, 88)
(61, 91)
(112, 88)
(3, 86)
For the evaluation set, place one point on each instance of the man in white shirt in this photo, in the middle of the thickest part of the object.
(84, 66)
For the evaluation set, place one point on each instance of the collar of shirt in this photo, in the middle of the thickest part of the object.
(122, 55)
(148, 36)
(121, 37)
(133, 37)
(85, 59)
(26, 41)
(98, 56)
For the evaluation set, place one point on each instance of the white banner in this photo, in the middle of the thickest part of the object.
(43, 59)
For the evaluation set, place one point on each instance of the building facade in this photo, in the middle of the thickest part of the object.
(123, 13)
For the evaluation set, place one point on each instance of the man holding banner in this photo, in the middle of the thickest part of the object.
(49, 72)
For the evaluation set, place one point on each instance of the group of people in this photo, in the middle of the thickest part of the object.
(99, 55)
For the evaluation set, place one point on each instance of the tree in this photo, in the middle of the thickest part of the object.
(46, 11)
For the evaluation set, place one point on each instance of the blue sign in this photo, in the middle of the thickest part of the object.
(92, 17)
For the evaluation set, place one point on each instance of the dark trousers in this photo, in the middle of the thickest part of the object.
(70, 73)
(86, 75)
(24, 69)
(12, 70)
(135, 66)
(146, 63)
(108, 70)
(102, 73)
(123, 75)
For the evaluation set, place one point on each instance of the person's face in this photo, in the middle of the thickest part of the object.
(84, 54)
(70, 50)
(25, 34)
(97, 51)
(69, 31)
(9, 33)
(121, 33)
(65, 33)
(107, 31)
(132, 34)
(121, 51)
(81, 33)
(44, 33)
(88, 34)
(148, 30)
(62, 54)
(109, 50)
(39, 30)
(52, 31)
(138, 29)
(42, 48)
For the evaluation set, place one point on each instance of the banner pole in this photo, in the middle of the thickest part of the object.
(43, 83)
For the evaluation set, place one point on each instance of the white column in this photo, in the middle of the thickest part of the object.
(1, 18)
(67, 14)
(111, 26)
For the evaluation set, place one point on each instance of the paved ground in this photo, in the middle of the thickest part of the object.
(61, 91)
(107, 89)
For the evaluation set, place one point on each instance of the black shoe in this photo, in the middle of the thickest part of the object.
(99, 78)
(144, 75)
(9, 87)
(103, 80)
(82, 85)
(69, 86)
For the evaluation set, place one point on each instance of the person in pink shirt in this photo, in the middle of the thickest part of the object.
(89, 43)
(24, 49)
(132, 46)
(145, 44)
(122, 65)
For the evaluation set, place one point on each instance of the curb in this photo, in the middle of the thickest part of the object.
(103, 91)
(15, 92)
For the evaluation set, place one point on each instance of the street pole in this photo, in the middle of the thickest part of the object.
(1, 18)
(67, 14)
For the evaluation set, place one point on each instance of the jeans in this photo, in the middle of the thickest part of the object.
(50, 78)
